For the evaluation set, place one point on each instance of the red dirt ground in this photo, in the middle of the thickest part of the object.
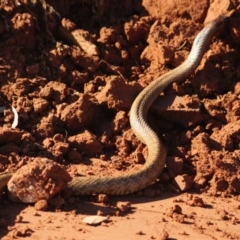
(72, 70)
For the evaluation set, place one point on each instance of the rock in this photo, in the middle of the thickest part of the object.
(86, 42)
(120, 121)
(195, 201)
(163, 235)
(123, 206)
(184, 182)
(40, 179)
(86, 143)
(19, 219)
(74, 115)
(102, 198)
(94, 220)
(118, 93)
(41, 205)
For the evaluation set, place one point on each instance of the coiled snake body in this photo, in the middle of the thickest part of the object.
(134, 181)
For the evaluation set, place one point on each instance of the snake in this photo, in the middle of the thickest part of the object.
(137, 180)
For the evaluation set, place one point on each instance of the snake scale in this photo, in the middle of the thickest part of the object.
(134, 181)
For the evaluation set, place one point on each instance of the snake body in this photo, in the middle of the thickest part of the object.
(135, 181)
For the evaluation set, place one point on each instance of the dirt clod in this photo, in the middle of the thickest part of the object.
(123, 206)
(183, 182)
(18, 219)
(41, 205)
(102, 198)
(163, 235)
(40, 179)
(195, 201)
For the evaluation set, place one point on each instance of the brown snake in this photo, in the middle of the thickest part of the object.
(134, 181)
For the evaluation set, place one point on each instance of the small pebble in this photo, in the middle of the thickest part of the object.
(41, 205)
(102, 198)
(196, 201)
(163, 235)
(223, 215)
(184, 182)
(123, 206)
(94, 220)
(18, 219)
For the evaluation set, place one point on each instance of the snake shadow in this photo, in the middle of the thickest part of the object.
(87, 205)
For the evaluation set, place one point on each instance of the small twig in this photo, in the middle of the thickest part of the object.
(113, 68)
(184, 43)
(104, 133)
